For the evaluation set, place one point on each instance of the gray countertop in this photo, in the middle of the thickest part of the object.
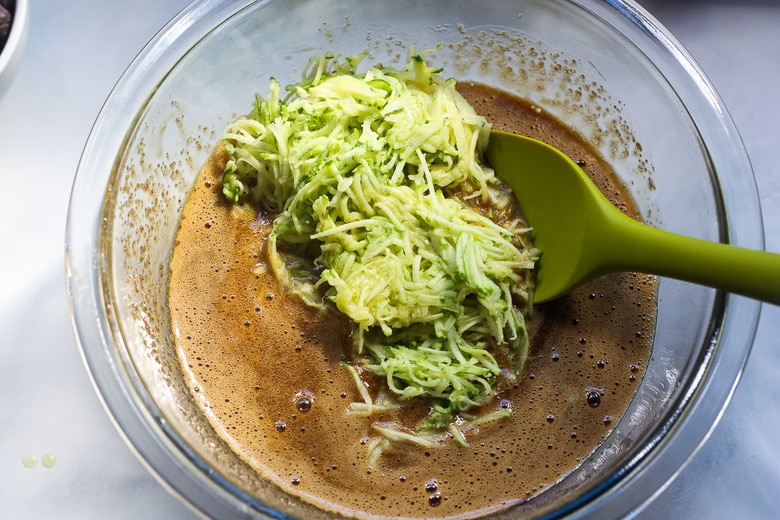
(76, 51)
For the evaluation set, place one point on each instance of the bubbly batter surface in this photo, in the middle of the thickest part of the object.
(267, 369)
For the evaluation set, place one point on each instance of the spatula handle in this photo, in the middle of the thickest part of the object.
(748, 272)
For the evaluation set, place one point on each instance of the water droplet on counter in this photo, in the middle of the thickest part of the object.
(48, 460)
(29, 460)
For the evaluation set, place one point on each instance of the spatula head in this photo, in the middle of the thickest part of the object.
(556, 197)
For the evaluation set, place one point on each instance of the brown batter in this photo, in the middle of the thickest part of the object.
(267, 369)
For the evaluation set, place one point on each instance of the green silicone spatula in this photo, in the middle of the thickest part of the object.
(582, 235)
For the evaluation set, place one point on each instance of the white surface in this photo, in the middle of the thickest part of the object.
(75, 52)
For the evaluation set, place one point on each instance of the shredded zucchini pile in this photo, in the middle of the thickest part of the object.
(372, 174)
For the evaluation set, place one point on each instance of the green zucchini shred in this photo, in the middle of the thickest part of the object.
(361, 168)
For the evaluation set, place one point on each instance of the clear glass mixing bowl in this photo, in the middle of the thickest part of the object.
(605, 67)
